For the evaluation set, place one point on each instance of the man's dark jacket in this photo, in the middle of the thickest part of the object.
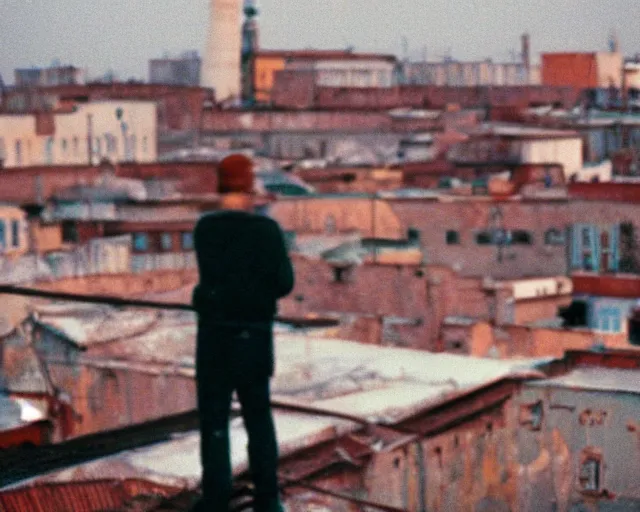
(244, 269)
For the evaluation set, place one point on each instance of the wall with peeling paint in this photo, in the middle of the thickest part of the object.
(574, 421)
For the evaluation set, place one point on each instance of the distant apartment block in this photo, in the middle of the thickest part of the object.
(330, 68)
(182, 70)
(119, 131)
(44, 77)
(453, 73)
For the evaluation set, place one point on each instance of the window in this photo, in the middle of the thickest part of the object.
(595, 248)
(531, 415)
(63, 145)
(69, 232)
(608, 319)
(3, 154)
(634, 328)
(15, 233)
(134, 146)
(342, 274)
(453, 237)
(140, 242)
(187, 241)
(48, 150)
(554, 236)
(574, 315)
(521, 237)
(166, 241)
(484, 238)
(18, 153)
(330, 227)
(590, 471)
(145, 144)
(76, 146)
(3, 239)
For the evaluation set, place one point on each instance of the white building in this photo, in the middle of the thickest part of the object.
(471, 74)
(505, 144)
(115, 130)
(347, 69)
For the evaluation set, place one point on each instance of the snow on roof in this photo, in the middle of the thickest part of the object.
(377, 384)
(522, 131)
(15, 412)
(99, 325)
(596, 379)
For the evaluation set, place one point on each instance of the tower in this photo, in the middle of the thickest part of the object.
(250, 45)
(526, 51)
(222, 56)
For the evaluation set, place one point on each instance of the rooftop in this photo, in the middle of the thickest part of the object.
(518, 131)
(15, 412)
(313, 54)
(85, 326)
(593, 378)
(349, 380)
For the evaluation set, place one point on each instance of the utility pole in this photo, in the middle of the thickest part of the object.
(90, 139)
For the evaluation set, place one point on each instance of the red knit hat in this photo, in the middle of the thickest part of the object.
(235, 174)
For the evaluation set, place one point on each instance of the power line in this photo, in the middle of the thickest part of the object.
(110, 300)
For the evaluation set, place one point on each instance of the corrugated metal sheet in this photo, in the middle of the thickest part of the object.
(90, 496)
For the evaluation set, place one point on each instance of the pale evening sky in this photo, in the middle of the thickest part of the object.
(123, 34)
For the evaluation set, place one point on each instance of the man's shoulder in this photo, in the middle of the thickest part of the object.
(233, 216)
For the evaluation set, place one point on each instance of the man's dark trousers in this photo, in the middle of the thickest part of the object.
(228, 359)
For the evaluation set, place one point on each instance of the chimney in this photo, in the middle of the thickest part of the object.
(222, 62)
(526, 51)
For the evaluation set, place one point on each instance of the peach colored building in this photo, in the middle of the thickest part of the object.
(119, 131)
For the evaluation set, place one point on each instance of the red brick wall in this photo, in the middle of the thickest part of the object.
(371, 290)
(265, 121)
(623, 192)
(23, 185)
(434, 218)
(290, 91)
(578, 70)
(179, 108)
(535, 309)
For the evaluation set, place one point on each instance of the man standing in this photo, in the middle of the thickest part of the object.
(244, 269)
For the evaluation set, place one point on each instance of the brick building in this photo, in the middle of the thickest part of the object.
(178, 107)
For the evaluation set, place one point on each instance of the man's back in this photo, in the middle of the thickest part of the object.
(243, 263)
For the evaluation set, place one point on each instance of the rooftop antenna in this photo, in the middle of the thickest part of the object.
(614, 44)
(405, 49)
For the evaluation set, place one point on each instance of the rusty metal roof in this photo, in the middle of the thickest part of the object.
(88, 496)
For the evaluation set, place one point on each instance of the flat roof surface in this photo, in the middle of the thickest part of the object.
(595, 379)
(373, 383)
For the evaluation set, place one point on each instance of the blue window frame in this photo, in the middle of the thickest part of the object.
(187, 241)
(595, 248)
(608, 319)
(140, 242)
(166, 242)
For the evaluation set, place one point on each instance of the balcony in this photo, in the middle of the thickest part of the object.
(625, 286)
